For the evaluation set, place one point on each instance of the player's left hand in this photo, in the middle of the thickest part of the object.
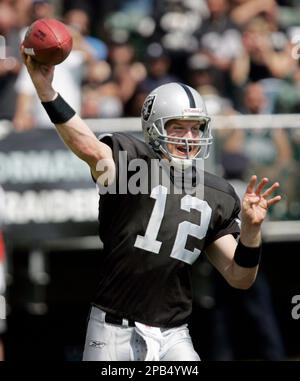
(256, 201)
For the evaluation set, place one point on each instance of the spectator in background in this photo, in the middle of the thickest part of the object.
(100, 93)
(288, 102)
(41, 9)
(243, 11)
(129, 17)
(127, 72)
(260, 58)
(269, 150)
(175, 25)
(220, 40)
(200, 72)
(264, 150)
(10, 66)
(157, 62)
(79, 19)
(24, 12)
(284, 12)
(288, 98)
(202, 77)
(158, 65)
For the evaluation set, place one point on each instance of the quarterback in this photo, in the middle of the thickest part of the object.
(151, 239)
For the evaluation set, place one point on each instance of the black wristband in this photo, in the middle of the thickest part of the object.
(246, 256)
(58, 110)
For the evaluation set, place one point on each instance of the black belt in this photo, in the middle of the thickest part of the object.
(113, 319)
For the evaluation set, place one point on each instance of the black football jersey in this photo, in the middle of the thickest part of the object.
(151, 239)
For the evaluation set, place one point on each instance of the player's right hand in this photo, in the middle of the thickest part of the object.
(41, 76)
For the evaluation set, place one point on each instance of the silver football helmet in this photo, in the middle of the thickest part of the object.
(175, 101)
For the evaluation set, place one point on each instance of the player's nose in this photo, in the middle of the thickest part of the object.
(189, 133)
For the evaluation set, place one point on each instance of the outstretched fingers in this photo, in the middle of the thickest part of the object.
(251, 184)
(270, 190)
(274, 200)
(261, 185)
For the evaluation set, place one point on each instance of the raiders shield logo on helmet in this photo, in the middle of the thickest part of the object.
(147, 107)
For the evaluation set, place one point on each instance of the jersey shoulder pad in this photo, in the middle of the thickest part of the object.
(220, 184)
(134, 147)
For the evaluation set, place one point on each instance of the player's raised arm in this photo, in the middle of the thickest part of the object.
(72, 129)
(238, 262)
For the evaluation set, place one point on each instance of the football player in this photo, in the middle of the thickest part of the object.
(151, 238)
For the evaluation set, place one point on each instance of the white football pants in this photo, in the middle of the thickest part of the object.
(110, 342)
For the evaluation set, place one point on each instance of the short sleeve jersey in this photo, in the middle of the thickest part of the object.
(152, 239)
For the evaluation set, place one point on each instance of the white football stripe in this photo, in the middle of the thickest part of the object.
(29, 51)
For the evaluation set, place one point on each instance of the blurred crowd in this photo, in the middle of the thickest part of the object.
(125, 49)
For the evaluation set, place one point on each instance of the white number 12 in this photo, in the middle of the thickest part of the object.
(149, 241)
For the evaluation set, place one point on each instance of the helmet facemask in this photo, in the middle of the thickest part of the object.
(161, 141)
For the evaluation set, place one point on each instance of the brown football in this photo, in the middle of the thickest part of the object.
(48, 41)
